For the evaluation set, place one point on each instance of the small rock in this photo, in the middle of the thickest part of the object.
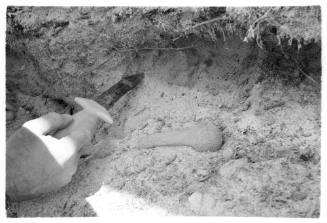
(203, 204)
(195, 201)
(298, 196)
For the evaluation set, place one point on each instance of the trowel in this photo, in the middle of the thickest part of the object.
(85, 121)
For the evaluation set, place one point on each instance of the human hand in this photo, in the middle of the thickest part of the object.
(38, 163)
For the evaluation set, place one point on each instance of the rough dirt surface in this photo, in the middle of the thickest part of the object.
(269, 164)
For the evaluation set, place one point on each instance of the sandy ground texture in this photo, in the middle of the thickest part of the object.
(269, 164)
(266, 101)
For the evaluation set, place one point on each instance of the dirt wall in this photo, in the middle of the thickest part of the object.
(267, 106)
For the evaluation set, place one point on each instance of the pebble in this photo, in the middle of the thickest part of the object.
(195, 201)
(299, 196)
(203, 204)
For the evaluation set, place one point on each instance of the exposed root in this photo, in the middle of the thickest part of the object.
(155, 48)
(198, 25)
(307, 75)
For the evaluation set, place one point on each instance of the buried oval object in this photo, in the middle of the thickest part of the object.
(203, 137)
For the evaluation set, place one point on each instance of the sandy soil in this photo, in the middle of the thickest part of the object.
(269, 164)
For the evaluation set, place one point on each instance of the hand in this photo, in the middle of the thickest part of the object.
(38, 163)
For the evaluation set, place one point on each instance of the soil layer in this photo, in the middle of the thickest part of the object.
(269, 164)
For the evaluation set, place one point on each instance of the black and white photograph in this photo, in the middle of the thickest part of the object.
(163, 111)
